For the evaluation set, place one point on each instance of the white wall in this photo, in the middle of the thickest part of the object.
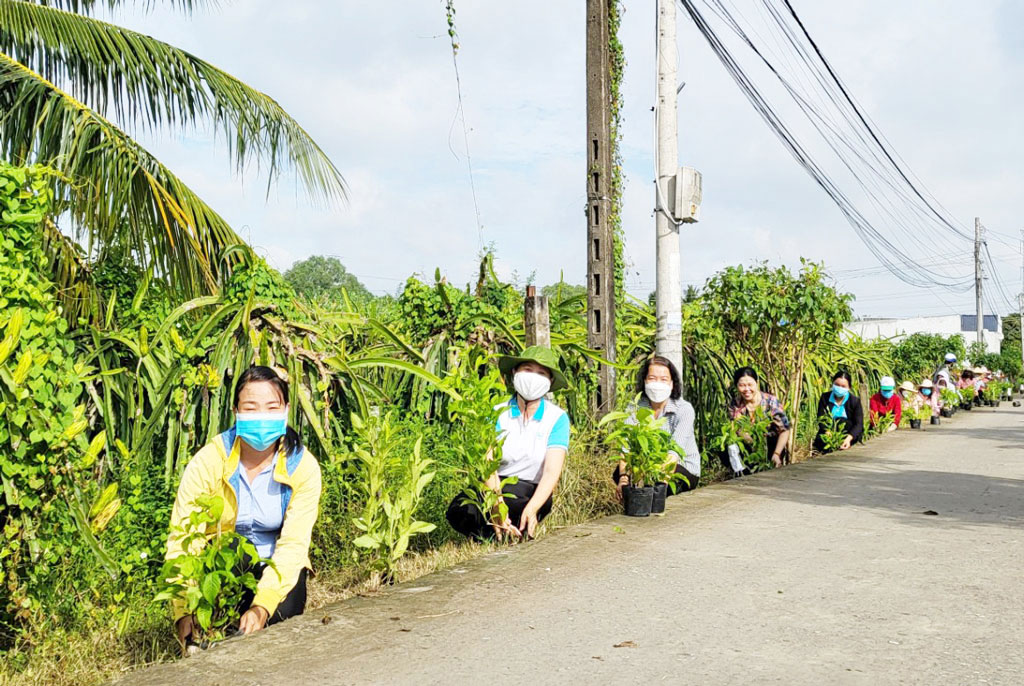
(947, 325)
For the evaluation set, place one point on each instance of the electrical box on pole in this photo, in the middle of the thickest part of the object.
(687, 195)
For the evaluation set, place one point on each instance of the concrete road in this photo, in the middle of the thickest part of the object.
(828, 572)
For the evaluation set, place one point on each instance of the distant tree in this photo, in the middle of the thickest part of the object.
(1011, 334)
(325, 277)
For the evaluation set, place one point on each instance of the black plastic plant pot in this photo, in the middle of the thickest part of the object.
(915, 423)
(946, 412)
(966, 406)
(936, 421)
(660, 495)
(638, 500)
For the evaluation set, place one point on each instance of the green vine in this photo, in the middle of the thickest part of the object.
(616, 65)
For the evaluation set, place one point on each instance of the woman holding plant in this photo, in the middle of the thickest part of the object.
(535, 441)
(927, 397)
(886, 402)
(840, 416)
(660, 390)
(268, 485)
(749, 402)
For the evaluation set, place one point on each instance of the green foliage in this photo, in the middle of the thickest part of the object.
(833, 435)
(325, 278)
(475, 443)
(949, 397)
(749, 433)
(641, 441)
(47, 464)
(390, 482)
(881, 426)
(918, 355)
(210, 577)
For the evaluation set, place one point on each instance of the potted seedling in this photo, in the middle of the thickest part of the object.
(833, 434)
(968, 394)
(749, 434)
(919, 414)
(639, 439)
(950, 399)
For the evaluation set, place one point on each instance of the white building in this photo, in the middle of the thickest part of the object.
(946, 325)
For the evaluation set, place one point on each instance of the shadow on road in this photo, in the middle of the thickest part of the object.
(958, 498)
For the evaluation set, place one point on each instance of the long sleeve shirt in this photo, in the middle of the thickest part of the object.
(880, 405)
(852, 424)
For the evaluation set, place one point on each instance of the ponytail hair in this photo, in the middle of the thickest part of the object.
(257, 373)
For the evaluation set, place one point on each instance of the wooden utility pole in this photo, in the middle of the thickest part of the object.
(535, 319)
(600, 236)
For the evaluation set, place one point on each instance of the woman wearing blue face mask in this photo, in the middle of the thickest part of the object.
(270, 485)
(841, 405)
(928, 395)
(886, 402)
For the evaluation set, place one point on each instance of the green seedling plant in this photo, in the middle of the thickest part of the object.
(639, 438)
(949, 397)
(882, 423)
(213, 574)
(391, 483)
(922, 413)
(833, 434)
(748, 432)
(473, 414)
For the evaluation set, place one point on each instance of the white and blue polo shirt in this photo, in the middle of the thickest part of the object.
(528, 440)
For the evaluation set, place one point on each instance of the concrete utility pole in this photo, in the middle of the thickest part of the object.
(978, 279)
(1020, 299)
(600, 237)
(668, 295)
(536, 320)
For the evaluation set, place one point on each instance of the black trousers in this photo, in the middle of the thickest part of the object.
(294, 603)
(469, 521)
(681, 486)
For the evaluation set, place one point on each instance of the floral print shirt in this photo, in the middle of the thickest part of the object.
(772, 408)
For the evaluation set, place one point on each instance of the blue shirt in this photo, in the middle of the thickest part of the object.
(259, 509)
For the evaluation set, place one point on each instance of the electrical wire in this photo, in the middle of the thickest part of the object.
(888, 193)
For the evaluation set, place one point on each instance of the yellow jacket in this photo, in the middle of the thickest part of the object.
(211, 471)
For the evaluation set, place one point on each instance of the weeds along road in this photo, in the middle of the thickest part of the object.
(827, 572)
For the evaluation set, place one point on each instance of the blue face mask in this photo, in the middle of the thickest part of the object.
(926, 391)
(886, 393)
(839, 392)
(261, 429)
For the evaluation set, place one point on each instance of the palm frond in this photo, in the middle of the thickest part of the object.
(109, 184)
(145, 5)
(140, 81)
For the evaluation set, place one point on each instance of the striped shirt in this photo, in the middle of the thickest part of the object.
(679, 416)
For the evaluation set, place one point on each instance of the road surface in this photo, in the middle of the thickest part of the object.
(827, 572)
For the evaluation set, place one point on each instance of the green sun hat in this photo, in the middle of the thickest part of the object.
(543, 356)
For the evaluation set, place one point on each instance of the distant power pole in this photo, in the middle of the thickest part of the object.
(667, 290)
(600, 236)
(1020, 299)
(978, 279)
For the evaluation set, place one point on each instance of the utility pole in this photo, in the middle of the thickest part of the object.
(600, 238)
(536, 320)
(977, 280)
(667, 291)
(1020, 298)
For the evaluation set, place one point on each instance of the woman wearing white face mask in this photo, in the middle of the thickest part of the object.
(660, 387)
(536, 433)
(270, 485)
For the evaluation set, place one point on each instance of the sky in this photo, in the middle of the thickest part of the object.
(374, 84)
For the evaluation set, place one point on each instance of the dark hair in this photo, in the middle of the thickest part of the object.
(254, 374)
(843, 374)
(967, 374)
(744, 371)
(677, 384)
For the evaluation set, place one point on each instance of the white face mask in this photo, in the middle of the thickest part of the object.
(657, 392)
(531, 385)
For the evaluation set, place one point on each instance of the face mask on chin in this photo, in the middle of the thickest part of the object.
(657, 391)
(531, 386)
